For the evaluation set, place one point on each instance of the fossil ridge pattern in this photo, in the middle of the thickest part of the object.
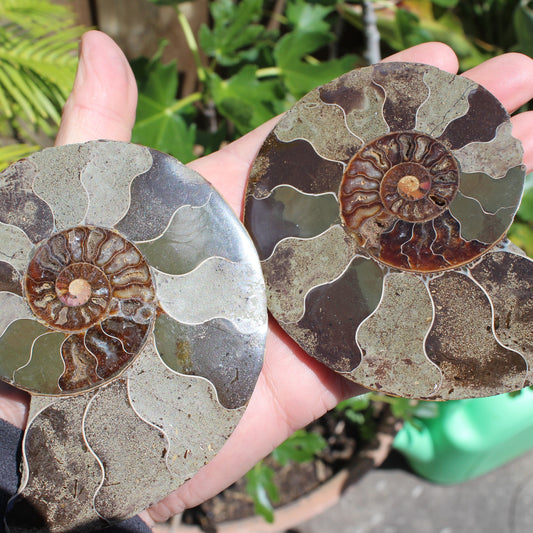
(379, 205)
(134, 312)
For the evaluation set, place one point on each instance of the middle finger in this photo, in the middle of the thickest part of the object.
(508, 77)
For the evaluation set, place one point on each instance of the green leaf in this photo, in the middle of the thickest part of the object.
(306, 17)
(160, 121)
(236, 32)
(301, 76)
(13, 152)
(355, 417)
(355, 409)
(445, 3)
(36, 73)
(163, 130)
(261, 487)
(245, 100)
(523, 23)
(167, 2)
(408, 26)
(525, 212)
(412, 411)
(39, 17)
(293, 46)
(418, 24)
(300, 447)
(412, 29)
(155, 80)
(521, 234)
(356, 403)
(401, 407)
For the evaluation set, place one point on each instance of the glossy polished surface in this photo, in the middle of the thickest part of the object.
(133, 310)
(379, 205)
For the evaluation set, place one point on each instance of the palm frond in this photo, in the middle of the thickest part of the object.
(39, 17)
(38, 60)
(13, 152)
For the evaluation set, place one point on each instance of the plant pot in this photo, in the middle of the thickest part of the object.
(317, 500)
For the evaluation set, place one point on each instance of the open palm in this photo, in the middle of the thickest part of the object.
(293, 389)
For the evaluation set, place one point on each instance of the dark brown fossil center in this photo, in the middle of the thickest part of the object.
(95, 286)
(74, 276)
(404, 192)
(405, 176)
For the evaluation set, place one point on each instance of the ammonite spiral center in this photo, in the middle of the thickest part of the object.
(79, 283)
(410, 188)
(405, 182)
(79, 291)
(408, 175)
(94, 286)
(395, 188)
(72, 278)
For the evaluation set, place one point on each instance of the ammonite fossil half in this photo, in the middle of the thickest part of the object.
(379, 206)
(132, 308)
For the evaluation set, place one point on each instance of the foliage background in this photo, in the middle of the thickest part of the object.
(257, 57)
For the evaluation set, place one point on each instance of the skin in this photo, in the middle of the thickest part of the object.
(102, 106)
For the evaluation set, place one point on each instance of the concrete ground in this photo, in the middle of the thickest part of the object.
(393, 500)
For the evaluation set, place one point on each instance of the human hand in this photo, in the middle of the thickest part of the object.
(102, 105)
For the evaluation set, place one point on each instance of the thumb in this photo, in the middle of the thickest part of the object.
(104, 97)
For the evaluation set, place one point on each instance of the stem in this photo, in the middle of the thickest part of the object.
(372, 52)
(275, 19)
(191, 42)
(267, 71)
(333, 47)
(183, 102)
(375, 397)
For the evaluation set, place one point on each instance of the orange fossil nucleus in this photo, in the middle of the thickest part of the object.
(83, 284)
(79, 291)
(410, 188)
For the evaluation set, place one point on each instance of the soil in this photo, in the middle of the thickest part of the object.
(346, 441)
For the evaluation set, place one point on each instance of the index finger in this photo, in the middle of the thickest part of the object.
(439, 55)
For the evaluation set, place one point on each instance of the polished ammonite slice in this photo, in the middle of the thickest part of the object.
(402, 184)
(132, 308)
(95, 286)
(379, 205)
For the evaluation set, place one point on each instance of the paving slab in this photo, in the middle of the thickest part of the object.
(392, 499)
